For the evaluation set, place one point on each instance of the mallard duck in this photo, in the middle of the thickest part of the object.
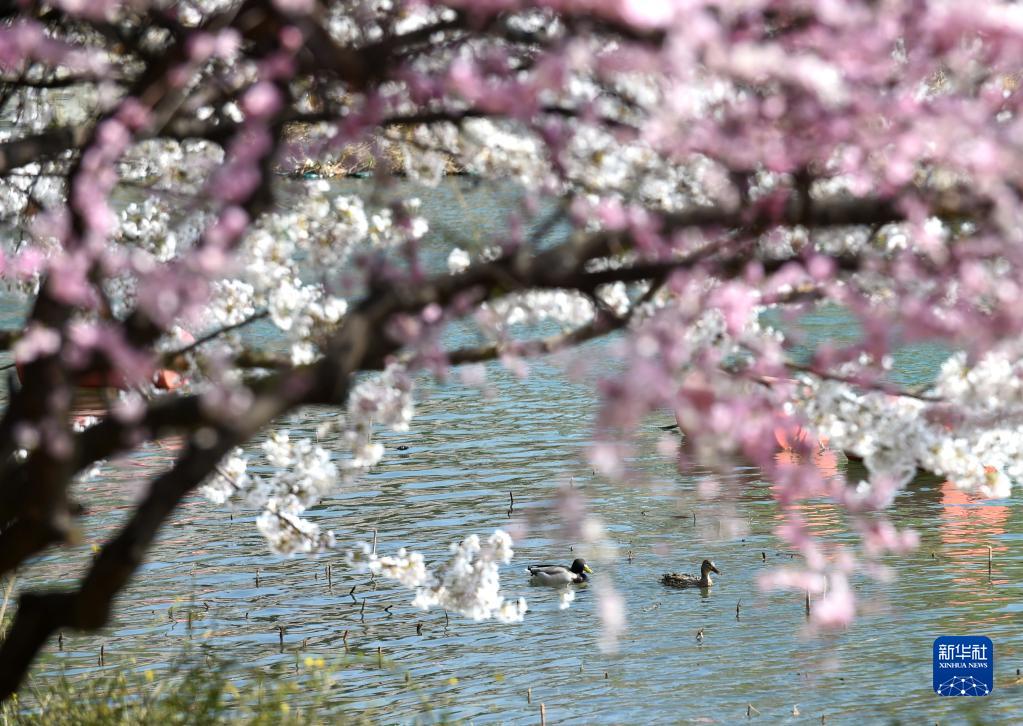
(676, 579)
(559, 575)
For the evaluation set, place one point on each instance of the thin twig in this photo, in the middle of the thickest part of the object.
(171, 355)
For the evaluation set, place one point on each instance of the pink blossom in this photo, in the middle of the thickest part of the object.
(611, 609)
(881, 536)
(201, 46)
(92, 9)
(736, 303)
(295, 7)
(838, 606)
(107, 342)
(611, 214)
(432, 314)
(28, 262)
(26, 40)
(646, 14)
(129, 408)
(261, 100)
(69, 280)
(231, 224)
(464, 79)
(291, 39)
(133, 114)
(791, 579)
(37, 341)
(516, 365)
(474, 375)
(606, 458)
(228, 42)
(820, 267)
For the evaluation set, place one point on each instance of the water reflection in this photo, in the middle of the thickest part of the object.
(823, 459)
(969, 527)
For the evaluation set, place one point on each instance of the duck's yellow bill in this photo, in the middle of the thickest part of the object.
(586, 568)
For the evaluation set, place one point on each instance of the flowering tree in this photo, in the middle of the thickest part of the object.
(709, 160)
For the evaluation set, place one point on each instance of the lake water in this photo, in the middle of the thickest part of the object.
(466, 453)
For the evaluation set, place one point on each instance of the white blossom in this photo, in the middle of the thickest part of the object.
(302, 474)
(458, 260)
(972, 434)
(468, 583)
(287, 533)
(230, 478)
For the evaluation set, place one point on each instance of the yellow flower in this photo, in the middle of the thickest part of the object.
(452, 681)
(285, 708)
(149, 676)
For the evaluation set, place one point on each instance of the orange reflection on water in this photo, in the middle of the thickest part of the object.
(968, 526)
(825, 460)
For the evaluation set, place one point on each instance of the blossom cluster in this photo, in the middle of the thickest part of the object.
(567, 308)
(468, 582)
(968, 430)
(303, 472)
(293, 264)
(385, 400)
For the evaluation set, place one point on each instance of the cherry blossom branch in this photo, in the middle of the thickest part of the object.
(600, 327)
(544, 346)
(890, 389)
(459, 115)
(67, 81)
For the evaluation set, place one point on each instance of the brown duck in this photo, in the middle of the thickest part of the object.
(675, 579)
